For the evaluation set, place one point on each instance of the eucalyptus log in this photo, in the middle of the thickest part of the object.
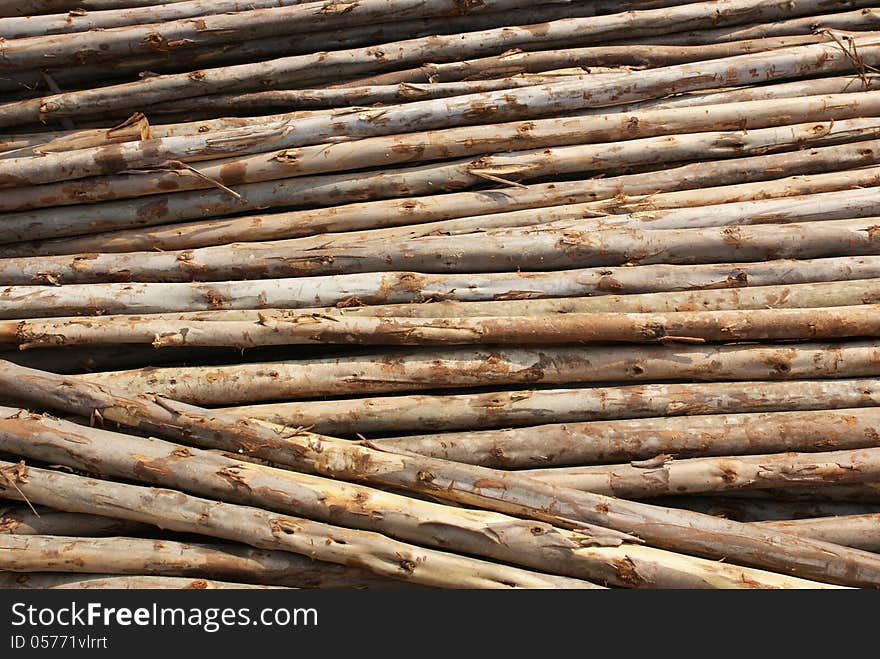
(501, 409)
(689, 135)
(52, 581)
(528, 102)
(849, 21)
(505, 491)
(585, 443)
(134, 128)
(333, 97)
(566, 244)
(16, 27)
(414, 370)
(228, 479)
(414, 210)
(844, 84)
(751, 509)
(556, 550)
(794, 296)
(252, 178)
(239, 24)
(143, 556)
(858, 531)
(559, 329)
(665, 475)
(402, 287)
(612, 54)
(24, 521)
(263, 529)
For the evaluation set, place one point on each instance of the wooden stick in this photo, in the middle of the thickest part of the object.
(503, 491)
(177, 511)
(413, 370)
(858, 531)
(559, 329)
(23, 521)
(665, 475)
(407, 287)
(414, 210)
(104, 581)
(561, 445)
(502, 409)
(143, 556)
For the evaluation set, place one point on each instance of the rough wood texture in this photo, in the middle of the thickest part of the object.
(503, 491)
(120, 555)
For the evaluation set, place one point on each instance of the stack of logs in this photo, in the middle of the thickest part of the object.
(484, 294)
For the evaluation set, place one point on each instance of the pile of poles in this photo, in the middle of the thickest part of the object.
(492, 294)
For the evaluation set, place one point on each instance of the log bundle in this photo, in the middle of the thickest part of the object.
(388, 293)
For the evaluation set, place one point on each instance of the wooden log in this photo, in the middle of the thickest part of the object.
(143, 556)
(848, 21)
(240, 24)
(750, 509)
(228, 479)
(524, 103)
(134, 128)
(254, 50)
(505, 491)
(560, 329)
(664, 475)
(404, 287)
(502, 409)
(561, 551)
(793, 89)
(858, 531)
(690, 134)
(795, 296)
(413, 210)
(22, 520)
(269, 530)
(14, 580)
(612, 54)
(414, 370)
(16, 27)
(595, 442)
(620, 240)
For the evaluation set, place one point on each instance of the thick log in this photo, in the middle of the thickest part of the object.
(134, 128)
(263, 529)
(414, 370)
(240, 24)
(23, 521)
(143, 556)
(555, 549)
(562, 445)
(414, 210)
(505, 491)
(794, 296)
(17, 27)
(51, 581)
(751, 509)
(501, 409)
(826, 85)
(227, 479)
(405, 287)
(665, 475)
(642, 239)
(612, 54)
(252, 177)
(849, 21)
(689, 135)
(529, 102)
(858, 531)
(560, 329)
